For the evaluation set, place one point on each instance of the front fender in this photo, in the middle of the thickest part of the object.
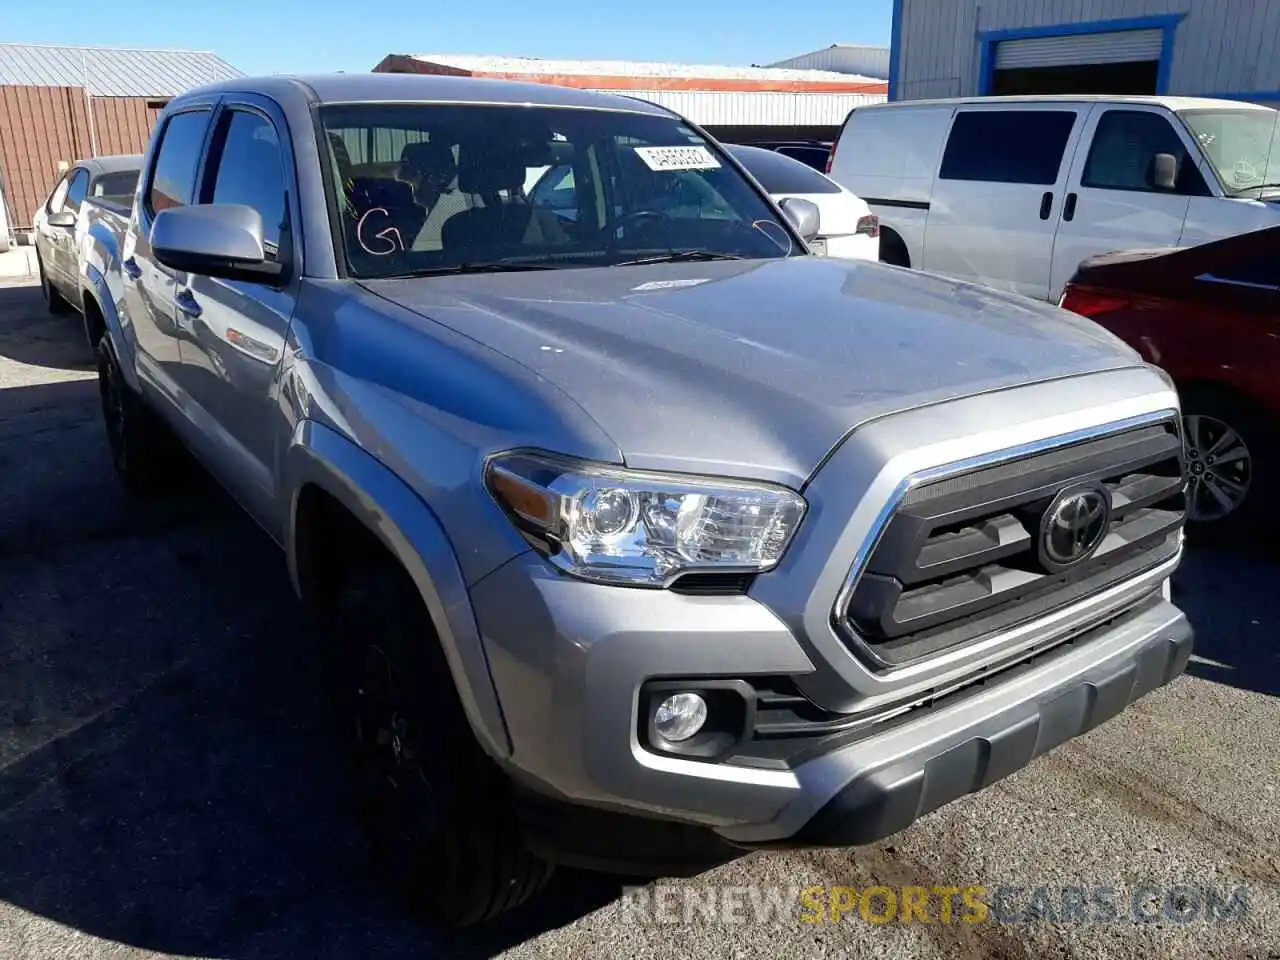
(408, 528)
(95, 285)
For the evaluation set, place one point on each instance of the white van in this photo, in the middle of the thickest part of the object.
(1013, 192)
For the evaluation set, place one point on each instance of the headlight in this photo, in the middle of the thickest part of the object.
(613, 525)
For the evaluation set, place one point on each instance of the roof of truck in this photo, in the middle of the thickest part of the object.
(112, 164)
(1171, 103)
(411, 88)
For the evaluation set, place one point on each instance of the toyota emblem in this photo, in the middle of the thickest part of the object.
(1073, 526)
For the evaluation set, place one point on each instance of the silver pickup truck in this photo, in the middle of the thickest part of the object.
(634, 536)
(91, 197)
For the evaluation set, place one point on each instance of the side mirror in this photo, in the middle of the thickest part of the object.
(215, 240)
(803, 215)
(63, 218)
(1164, 171)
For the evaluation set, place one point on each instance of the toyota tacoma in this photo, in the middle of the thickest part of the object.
(637, 536)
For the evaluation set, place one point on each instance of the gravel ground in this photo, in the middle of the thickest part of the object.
(166, 789)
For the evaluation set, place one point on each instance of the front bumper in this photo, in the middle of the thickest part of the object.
(869, 790)
(569, 659)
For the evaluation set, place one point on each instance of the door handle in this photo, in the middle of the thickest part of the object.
(1046, 205)
(1069, 207)
(185, 301)
(131, 267)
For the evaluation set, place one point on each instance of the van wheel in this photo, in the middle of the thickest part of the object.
(143, 451)
(53, 300)
(1233, 462)
(438, 814)
(893, 250)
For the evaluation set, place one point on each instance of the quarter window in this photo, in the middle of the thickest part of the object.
(1122, 156)
(248, 169)
(1008, 146)
(174, 172)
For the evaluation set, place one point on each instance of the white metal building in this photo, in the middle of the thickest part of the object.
(733, 103)
(1218, 48)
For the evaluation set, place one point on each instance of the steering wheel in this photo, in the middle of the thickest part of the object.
(635, 217)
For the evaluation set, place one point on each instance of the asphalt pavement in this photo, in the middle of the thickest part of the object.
(167, 788)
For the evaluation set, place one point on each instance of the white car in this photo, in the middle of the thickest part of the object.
(847, 228)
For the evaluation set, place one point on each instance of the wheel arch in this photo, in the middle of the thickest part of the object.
(1210, 385)
(891, 238)
(324, 470)
(100, 316)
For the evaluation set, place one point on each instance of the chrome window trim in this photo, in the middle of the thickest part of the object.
(943, 471)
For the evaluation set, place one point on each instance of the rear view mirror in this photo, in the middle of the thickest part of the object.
(63, 218)
(215, 240)
(1164, 171)
(803, 215)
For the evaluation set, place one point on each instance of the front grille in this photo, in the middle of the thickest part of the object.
(961, 559)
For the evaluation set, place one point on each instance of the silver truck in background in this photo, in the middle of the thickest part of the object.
(78, 226)
(633, 535)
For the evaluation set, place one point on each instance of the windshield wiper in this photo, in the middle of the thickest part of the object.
(495, 266)
(1260, 186)
(682, 256)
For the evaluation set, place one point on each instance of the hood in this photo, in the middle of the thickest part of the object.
(757, 368)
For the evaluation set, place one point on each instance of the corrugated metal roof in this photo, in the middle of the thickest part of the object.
(110, 72)
(476, 63)
(848, 58)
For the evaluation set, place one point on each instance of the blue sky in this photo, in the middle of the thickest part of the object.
(282, 36)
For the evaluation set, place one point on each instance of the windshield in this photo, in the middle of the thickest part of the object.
(116, 187)
(429, 188)
(778, 173)
(1242, 145)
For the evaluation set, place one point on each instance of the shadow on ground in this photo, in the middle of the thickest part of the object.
(30, 334)
(166, 778)
(1231, 599)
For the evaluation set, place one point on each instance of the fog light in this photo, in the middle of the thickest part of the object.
(679, 717)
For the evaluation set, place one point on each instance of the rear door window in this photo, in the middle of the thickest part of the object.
(1008, 146)
(116, 187)
(1122, 156)
(173, 175)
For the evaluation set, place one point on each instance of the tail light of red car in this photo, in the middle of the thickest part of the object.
(1092, 302)
(831, 156)
(868, 226)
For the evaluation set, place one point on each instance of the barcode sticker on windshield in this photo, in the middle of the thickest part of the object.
(677, 158)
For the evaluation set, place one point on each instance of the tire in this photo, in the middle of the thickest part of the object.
(144, 453)
(1219, 425)
(892, 250)
(53, 300)
(437, 812)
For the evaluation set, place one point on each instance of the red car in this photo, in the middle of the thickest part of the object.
(1210, 316)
